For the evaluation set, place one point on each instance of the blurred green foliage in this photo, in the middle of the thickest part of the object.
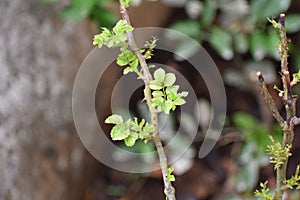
(253, 154)
(230, 27)
(95, 10)
(233, 27)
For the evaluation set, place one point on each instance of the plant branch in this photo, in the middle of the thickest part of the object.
(147, 77)
(289, 102)
(269, 100)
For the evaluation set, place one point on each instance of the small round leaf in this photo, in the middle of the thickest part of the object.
(159, 75)
(169, 79)
(155, 85)
(114, 119)
(119, 132)
(130, 140)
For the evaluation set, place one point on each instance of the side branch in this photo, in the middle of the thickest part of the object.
(269, 100)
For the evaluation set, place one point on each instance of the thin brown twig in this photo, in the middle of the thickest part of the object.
(147, 77)
(269, 100)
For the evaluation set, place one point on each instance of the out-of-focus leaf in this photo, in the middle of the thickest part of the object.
(272, 46)
(292, 23)
(244, 121)
(257, 9)
(262, 9)
(209, 12)
(186, 49)
(234, 8)
(72, 13)
(296, 59)
(104, 17)
(203, 113)
(182, 153)
(253, 131)
(258, 45)
(241, 44)
(193, 8)
(79, 9)
(187, 27)
(246, 154)
(189, 124)
(87, 4)
(221, 41)
(247, 176)
(237, 79)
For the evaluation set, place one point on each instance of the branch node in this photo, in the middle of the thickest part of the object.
(282, 19)
(260, 77)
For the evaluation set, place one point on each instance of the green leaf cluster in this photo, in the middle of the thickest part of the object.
(264, 192)
(255, 132)
(115, 38)
(278, 153)
(296, 78)
(125, 3)
(130, 130)
(150, 45)
(294, 181)
(170, 176)
(252, 155)
(165, 96)
(128, 58)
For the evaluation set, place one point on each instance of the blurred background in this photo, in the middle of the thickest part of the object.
(43, 43)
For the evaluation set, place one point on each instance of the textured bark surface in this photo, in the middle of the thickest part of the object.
(40, 153)
(41, 156)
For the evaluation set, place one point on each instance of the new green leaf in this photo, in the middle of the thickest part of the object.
(169, 79)
(159, 75)
(170, 177)
(131, 139)
(119, 132)
(114, 119)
